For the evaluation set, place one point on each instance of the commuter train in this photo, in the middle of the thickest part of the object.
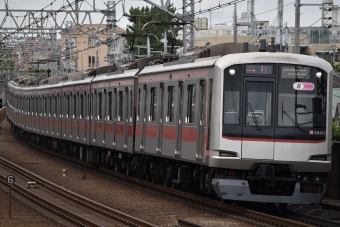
(247, 126)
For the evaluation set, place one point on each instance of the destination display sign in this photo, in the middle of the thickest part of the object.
(259, 69)
(292, 72)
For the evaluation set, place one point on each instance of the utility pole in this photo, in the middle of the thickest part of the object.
(334, 49)
(165, 43)
(235, 24)
(280, 19)
(297, 27)
(286, 38)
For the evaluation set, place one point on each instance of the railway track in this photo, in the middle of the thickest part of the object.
(88, 212)
(208, 205)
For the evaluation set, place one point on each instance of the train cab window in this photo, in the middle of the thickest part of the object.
(81, 112)
(302, 97)
(153, 104)
(171, 104)
(68, 105)
(100, 105)
(109, 113)
(191, 104)
(259, 99)
(74, 106)
(120, 106)
(231, 95)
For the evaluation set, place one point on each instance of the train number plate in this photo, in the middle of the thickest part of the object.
(317, 133)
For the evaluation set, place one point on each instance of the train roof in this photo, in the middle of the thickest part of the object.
(273, 57)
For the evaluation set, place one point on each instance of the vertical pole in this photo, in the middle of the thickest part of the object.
(334, 48)
(297, 27)
(286, 38)
(280, 16)
(97, 55)
(10, 202)
(235, 24)
(322, 23)
(165, 43)
(148, 45)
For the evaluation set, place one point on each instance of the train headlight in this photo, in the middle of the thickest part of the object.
(318, 75)
(232, 72)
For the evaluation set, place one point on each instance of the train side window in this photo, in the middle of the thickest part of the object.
(100, 100)
(171, 104)
(55, 106)
(109, 114)
(120, 106)
(74, 106)
(45, 109)
(191, 104)
(153, 104)
(139, 103)
(41, 106)
(131, 104)
(81, 113)
(50, 110)
(29, 105)
(68, 105)
(36, 106)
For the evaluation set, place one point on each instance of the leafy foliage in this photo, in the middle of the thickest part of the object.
(336, 66)
(336, 131)
(140, 16)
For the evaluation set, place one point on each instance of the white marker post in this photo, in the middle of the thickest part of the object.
(10, 179)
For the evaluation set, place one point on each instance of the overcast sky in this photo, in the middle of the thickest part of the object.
(309, 14)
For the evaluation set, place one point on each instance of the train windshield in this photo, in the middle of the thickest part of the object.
(301, 97)
(287, 103)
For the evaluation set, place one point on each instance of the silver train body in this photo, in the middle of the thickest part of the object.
(251, 126)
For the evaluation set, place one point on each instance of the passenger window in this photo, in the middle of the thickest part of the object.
(191, 104)
(50, 110)
(45, 109)
(120, 106)
(131, 105)
(109, 114)
(68, 106)
(74, 106)
(153, 104)
(171, 104)
(81, 114)
(100, 100)
(139, 103)
(55, 106)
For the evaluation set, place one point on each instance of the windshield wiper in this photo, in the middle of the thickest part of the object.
(292, 120)
(254, 117)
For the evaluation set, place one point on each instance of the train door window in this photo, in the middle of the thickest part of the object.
(36, 106)
(131, 104)
(139, 104)
(109, 112)
(50, 109)
(81, 112)
(171, 104)
(161, 101)
(41, 106)
(68, 105)
(153, 104)
(74, 106)
(191, 104)
(55, 106)
(202, 100)
(29, 105)
(120, 106)
(100, 105)
(45, 109)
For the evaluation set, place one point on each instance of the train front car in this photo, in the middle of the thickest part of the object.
(271, 133)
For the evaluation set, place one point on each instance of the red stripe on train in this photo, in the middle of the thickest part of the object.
(189, 134)
(152, 131)
(273, 140)
(169, 132)
(109, 128)
(120, 129)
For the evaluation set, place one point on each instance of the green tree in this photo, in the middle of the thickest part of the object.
(140, 16)
(336, 131)
(336, 66)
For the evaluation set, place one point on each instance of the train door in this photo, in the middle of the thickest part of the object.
(81, 117)
(74, 116)
(170, 119)
(109, 119)
(130, 129)
(161, 119)
(120, 124)
(258, 118)
(141, 117)
(152, 122)
(99, 117)
(190, 125)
